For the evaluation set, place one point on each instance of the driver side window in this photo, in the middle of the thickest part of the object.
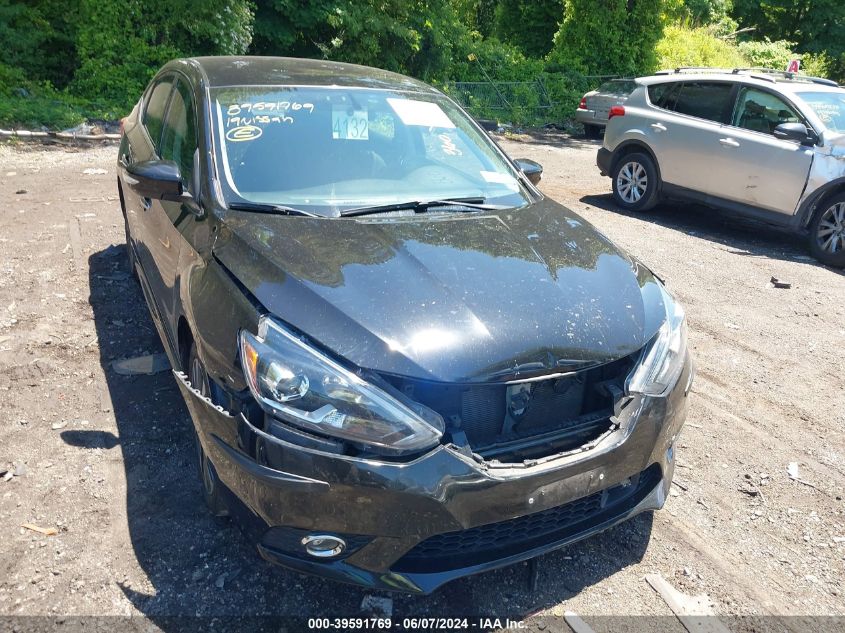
(179, 141)
(761, 111)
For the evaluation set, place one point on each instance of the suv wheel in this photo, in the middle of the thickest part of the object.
(211, 486)
(635, 182)
(827, 232)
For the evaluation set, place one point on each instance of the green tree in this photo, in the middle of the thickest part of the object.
(696, 46)
(705, 12)
(477, 15)
(38, 37)
(417, 37)
(122, 44)
(816, 26)
(608, 37)
(529, 25)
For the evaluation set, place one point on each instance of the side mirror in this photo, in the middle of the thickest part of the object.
(797, 132)
(158, 179)
(532, 169)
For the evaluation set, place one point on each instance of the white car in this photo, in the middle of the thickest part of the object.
(593, 110)
(764, 144)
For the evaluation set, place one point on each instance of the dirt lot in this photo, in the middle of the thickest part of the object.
(106, 459)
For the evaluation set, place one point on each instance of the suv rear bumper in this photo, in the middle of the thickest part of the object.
(604, 160)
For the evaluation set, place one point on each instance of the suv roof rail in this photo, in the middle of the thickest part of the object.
(769, 74)
(766, 74)
(692, 69)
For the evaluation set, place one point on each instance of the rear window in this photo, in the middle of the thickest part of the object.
(658, 94)
(618, 87)
(701, 99)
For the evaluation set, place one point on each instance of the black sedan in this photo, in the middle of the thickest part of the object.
(404, 364)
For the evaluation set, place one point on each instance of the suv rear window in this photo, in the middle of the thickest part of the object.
(618, 87)
(708, 100)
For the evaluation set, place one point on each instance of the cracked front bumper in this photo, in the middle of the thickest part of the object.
(392, 511)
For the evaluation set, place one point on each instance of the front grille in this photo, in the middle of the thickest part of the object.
(513, 423)
(494, 541)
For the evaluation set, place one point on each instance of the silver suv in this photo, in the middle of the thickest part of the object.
(759, 143)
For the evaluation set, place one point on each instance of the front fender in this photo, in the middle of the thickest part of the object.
(216, 308)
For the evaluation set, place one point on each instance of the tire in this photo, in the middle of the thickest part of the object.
(593, 131)
(636, 185)
(827, 232)
(212, 488)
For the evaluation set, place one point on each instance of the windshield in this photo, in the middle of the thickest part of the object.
(324, 150)
(829, 107)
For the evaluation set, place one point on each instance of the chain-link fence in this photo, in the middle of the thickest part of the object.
(551, 98)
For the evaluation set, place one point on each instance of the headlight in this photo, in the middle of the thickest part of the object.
(663, 361)
(303, 387)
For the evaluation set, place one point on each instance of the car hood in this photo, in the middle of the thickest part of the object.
(451, 298)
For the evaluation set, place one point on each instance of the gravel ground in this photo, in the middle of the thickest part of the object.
(106, 459)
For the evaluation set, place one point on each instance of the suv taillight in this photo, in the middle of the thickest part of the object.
(583, 104)
(616, 110)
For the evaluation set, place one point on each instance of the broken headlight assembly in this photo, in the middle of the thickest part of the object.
(303, 387)
(663, 359)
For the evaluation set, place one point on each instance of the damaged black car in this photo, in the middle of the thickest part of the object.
(404, 364)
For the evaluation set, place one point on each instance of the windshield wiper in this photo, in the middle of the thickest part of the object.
(420, 206)
(260, 207)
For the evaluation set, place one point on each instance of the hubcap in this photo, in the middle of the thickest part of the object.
(831, 232)
(632, 182)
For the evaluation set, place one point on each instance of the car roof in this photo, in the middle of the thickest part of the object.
(765, 79)
(227, 71)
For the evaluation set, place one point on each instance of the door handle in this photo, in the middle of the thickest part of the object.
(146, 203)
(728, 142)
(659, 127)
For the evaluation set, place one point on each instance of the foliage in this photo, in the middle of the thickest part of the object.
(698, 46)
(39, 38)
(817, 65)
(122, 44)
(64, 60)
(766, 54)
(477, 15)
(816, 26)
(608, 36)
(479, 59)
(698, 12)
(529, 25)
(27, 104)
(416, 37)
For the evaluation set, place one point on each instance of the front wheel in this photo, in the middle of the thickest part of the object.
(211, 486)
(827, 232)
(635, 182)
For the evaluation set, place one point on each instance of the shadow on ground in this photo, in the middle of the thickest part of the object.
(550, 136)
(199, 565)
(739, 236)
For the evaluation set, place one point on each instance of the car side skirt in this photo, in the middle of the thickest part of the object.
(773, 218)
